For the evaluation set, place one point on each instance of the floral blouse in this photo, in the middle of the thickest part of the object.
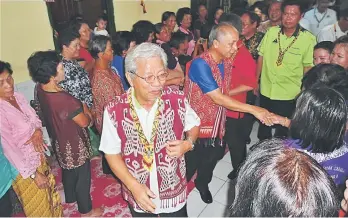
(253, 43)
(76, 82)
(106, 86)
(16, 128)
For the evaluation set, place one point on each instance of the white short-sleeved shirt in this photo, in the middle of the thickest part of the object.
(331, 33)
(310, 22)
(111, 143)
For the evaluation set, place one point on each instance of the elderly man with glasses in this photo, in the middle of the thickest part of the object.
(146, 132)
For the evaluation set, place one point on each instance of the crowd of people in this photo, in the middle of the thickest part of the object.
(168, 98)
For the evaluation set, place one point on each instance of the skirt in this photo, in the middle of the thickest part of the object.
(39, 202)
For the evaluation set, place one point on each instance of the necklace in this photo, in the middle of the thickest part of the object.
(148, 151)
(281, 52)
(319, 21)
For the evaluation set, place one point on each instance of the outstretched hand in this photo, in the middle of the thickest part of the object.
(263, 115)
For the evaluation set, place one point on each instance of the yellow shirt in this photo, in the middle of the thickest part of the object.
(283, 82)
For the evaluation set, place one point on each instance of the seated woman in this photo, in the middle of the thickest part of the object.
(278, 181)
(8, 175)
(66, 125)
(123, 41)
(106, 85)
(340, 52)
(176, 74)
(318, 127)
(22, 141)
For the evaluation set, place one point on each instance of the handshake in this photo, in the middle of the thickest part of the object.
(269, 118)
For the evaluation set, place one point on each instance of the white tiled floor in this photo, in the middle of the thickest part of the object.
(221, 188)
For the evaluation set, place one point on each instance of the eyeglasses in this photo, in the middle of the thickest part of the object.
(151, 79)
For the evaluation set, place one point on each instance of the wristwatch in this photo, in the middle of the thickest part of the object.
(32, 176)
(192, 143)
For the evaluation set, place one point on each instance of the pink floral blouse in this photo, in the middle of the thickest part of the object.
(16, 127)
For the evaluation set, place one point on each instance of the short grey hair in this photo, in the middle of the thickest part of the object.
(217, 32)
(232, 19)
(144, 50)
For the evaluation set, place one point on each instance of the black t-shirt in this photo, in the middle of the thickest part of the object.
(204, 28)
(171, 58)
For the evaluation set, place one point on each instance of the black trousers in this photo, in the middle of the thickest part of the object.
(203, 159)
(77, 185)
(235, 139)
(249, 119)
(280, 107)
(5, 205)
(180, 213)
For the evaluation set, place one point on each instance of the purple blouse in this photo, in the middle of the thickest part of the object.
(16, 127)
(335, 163)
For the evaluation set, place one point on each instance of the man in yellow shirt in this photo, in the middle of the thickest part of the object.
(286, 53)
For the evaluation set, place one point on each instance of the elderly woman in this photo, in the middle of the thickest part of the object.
(106, 85)
(325, 111)
(143, 137)
(176, 74)
(22, 142)
(278, 181)
(340, 53)
(169, 19)
(8, 174)
(66, 125)
(144, 31)
(123, 41)
(184, 21)
(76, 81)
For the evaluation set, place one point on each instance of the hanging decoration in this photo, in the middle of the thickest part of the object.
(142, 3)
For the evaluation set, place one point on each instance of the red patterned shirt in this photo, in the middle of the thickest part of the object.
(106, 86)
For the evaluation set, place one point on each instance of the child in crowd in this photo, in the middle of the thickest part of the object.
(100, 29)
(322, 52)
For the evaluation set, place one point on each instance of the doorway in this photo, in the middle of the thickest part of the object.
(61, 11)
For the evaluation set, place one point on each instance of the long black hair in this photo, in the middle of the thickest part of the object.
(319, 120)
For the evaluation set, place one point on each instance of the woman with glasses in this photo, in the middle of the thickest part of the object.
(143, 137)
(23, 146)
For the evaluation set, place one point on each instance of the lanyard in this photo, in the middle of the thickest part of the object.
(315, 16)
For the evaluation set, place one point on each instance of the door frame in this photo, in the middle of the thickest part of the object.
(108, 10)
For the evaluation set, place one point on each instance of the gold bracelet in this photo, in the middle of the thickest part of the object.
(285, 121)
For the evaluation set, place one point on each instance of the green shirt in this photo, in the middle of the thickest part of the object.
(283, 82)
